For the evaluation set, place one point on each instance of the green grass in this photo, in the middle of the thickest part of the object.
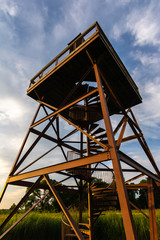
(47, 226)
(35, 226)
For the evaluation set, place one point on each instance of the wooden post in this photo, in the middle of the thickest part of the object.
(90, 201)
(121, 189)
(152, 213)
(81, 183)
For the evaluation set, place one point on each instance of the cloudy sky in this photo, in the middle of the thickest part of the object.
(34, 32)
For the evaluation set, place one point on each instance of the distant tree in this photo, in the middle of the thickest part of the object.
(142, 200)
(132, 195)
(49, 203)
(12, 206)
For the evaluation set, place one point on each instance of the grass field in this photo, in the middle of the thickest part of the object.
(47, 226)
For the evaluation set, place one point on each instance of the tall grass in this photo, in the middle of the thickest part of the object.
(47, 226)
(36, 226)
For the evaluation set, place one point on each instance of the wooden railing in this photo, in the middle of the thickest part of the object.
(81, 38)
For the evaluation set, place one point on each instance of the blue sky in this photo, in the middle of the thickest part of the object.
(34, 32)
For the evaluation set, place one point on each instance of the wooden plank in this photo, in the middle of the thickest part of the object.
(62, 166)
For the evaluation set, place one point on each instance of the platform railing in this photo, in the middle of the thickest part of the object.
(71, 47)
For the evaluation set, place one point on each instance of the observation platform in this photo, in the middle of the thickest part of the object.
(56, 80)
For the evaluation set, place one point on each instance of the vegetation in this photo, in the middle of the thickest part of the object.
(48, 226)
(35, 226)
(49, 203)
(139, 197)
(45, 221)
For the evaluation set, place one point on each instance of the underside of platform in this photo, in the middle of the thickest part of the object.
(53, 86)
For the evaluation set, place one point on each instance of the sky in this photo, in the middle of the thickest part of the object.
(34, 32)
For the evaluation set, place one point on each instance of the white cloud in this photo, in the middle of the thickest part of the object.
(4, 167)
(9, 7)
(142, 22)
(150, 114)
(11, 109)
(147, 59)
(116, 32)
(59, 32)
(80, 12)
(119, 2)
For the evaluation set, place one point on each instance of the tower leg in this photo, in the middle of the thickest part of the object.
(121, 189)
(90, 212)
(152, 213)
(81, 184)
(90, 200)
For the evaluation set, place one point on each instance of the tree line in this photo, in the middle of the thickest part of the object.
(138, 197)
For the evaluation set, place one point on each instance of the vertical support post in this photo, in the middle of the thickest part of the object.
(90, 200)
(62, 231)
(81, 183)
(90, 212)
(121, 189)
(152, 213)
(80, 201)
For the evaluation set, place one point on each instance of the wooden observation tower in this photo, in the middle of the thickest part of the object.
(79, 93)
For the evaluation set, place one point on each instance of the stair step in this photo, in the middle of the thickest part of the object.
(99, 130)
(105, 142)
(93, 126)
(100, 189)
(96, 151)
(107, 204)
(85, 231)
(84, 224)
(106, 190)
(93, 99)
(104, 135)
(104, 199)
(104, 196)
(70, 235)
(99, 186)
(95, 147)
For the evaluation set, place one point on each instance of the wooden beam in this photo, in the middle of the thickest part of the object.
(20, 203)
(121, 189)
(134, 178)
(128, 160)
(64, 209)
(62, 108)
(62, 166)
(138, 209)
(152, 213)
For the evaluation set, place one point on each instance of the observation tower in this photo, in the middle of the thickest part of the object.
(73, 138)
